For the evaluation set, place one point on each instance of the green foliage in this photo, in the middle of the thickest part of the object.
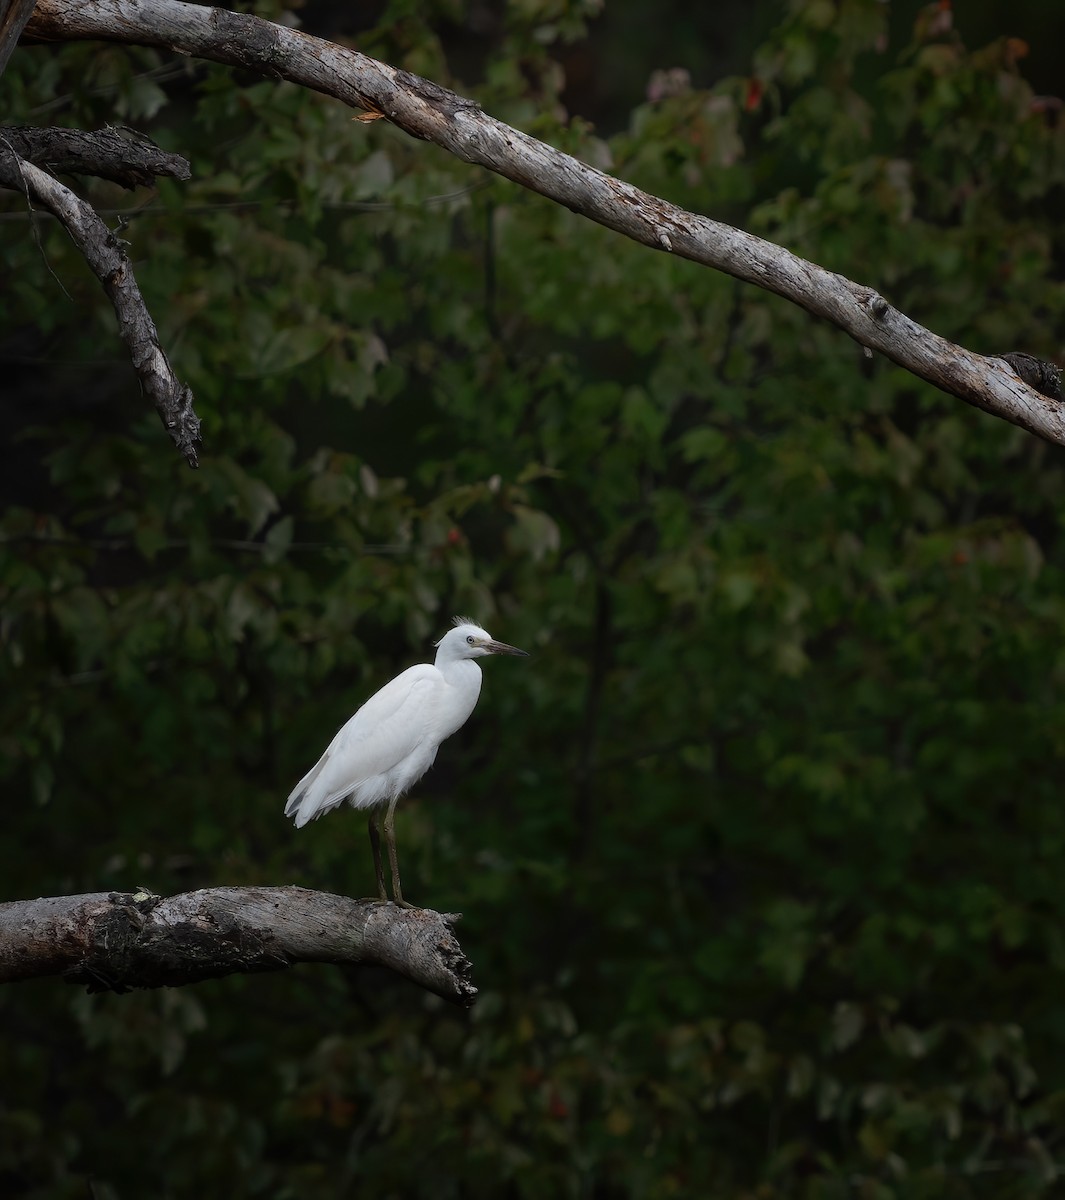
(760, 853)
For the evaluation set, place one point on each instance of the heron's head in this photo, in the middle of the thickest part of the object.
(467, 640)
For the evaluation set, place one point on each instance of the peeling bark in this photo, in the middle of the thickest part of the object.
(117, 941)
(116, 153)
(1036, 372)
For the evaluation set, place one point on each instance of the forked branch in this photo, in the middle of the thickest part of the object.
(116, 941)
(425, 110)
(108, 260)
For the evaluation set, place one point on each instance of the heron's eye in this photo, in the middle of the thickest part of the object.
(470, 639)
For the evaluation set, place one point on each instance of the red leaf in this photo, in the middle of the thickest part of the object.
(755, 91)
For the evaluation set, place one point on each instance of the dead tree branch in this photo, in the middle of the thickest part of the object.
(116, 153)
(117, 941)
(109, 262)
(425, 110)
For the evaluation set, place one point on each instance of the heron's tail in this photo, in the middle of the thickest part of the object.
(303, 803)
(292, 808)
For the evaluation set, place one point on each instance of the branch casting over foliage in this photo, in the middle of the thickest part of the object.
(428, 111)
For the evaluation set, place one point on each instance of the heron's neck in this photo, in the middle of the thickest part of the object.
(462, 673)
(463, 678)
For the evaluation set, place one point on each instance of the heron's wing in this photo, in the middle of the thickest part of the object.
(384, 731)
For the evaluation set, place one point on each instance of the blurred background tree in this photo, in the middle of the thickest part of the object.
(761, 855)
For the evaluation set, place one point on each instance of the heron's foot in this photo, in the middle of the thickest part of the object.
(386, 900)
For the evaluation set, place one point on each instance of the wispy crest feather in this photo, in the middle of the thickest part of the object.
(455, 623)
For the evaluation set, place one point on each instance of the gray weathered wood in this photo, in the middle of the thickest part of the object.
(435, 114)
(105, 255)
(116, 941)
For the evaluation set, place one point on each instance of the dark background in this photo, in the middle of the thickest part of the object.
(760, 853)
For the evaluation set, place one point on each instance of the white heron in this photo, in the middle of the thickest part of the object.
(392, 740)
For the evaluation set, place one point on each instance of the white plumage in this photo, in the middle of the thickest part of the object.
(392, 740)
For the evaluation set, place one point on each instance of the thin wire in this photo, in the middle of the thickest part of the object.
(164, 71)
(32, 214)
(183, 543)
(150, 209)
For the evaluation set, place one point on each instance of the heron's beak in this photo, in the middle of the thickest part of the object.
(494, 647)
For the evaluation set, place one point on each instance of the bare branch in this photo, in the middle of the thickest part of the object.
(116, 941)
(428, 111)
(14, 14)
(122, 155)
(109, 262)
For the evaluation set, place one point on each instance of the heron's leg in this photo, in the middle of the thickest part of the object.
(375, 846)
(393, 861)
